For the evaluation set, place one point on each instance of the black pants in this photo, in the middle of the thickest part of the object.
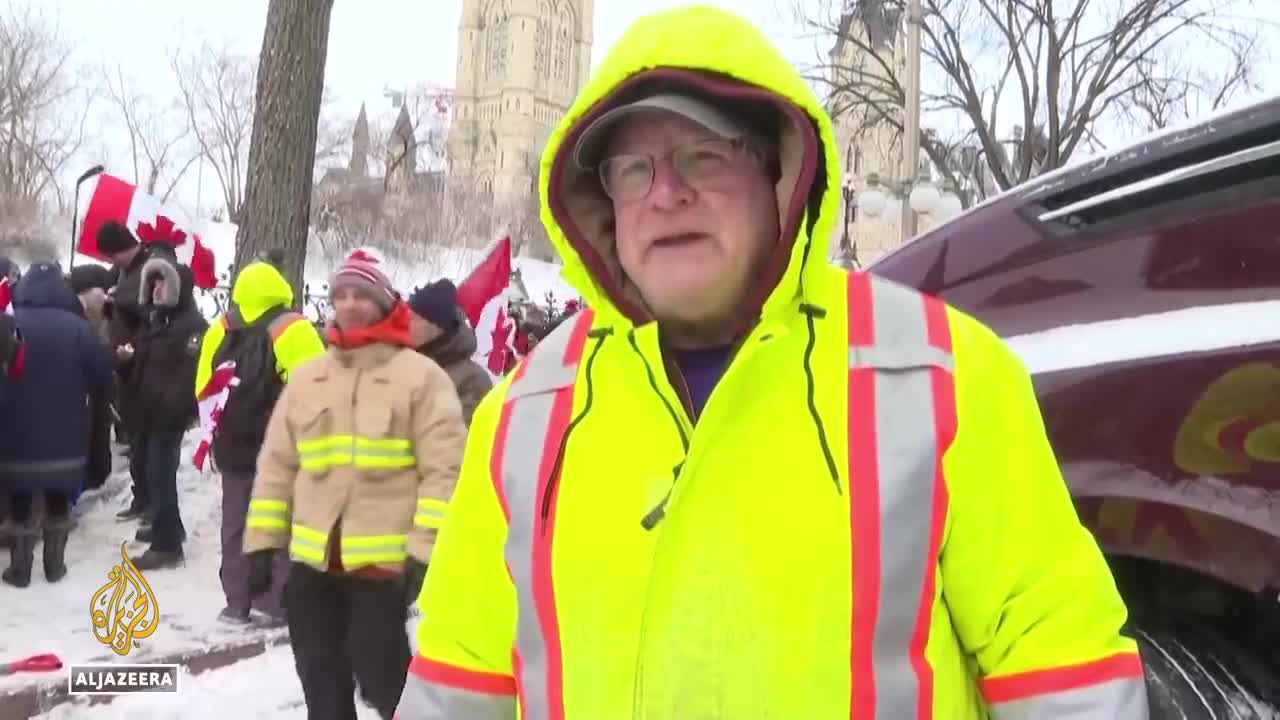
(159, 454)
(21, 505)
(346, 630)
(99, 442)
(138, 471)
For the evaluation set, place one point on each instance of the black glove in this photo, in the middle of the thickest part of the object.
(414, 573)
(260, 562)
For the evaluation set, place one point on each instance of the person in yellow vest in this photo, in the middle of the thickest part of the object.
(744, 483)
(361, 455)
(267, 340)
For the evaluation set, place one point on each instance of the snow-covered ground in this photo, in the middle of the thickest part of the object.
(54, 618)
(263, 687)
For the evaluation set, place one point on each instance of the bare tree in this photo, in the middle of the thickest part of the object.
(44, 109)
(427, 109)
(217, 96)
(1184, 86)
(295, 45)
(1058, 70)
(333, 133)
(158, 135)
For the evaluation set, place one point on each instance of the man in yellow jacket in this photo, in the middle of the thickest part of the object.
(267, 340)
(744, 484)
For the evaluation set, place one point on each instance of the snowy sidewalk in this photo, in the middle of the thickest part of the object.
(46, 618)
(264, 687)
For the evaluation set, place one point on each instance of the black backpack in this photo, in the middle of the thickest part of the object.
(243, 425)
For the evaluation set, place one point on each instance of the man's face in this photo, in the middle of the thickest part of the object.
(124, 257)
(353, 308)
(423, 330)
(692, 252)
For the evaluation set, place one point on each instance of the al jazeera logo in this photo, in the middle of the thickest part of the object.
(123, 611)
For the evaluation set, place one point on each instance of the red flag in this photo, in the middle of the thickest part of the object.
(488, 280)
(115, 199)
(6, 296)
(481, 297)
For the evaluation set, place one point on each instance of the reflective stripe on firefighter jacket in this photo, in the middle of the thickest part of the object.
(865, 521)
(371, 437)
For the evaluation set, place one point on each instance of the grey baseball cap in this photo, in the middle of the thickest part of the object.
(594, 140)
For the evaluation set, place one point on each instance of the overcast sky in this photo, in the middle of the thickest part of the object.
(372, 44)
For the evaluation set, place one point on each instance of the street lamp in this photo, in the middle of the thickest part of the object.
(949, 204)
(873, 200)
(848, 247)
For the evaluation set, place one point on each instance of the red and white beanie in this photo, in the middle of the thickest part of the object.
(363, 269)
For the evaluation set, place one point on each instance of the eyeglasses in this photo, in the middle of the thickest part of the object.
(702, 165)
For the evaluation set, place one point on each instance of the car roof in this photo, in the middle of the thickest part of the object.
(1168, 150)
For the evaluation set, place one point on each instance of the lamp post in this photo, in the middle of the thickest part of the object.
(848, 246)
(911, 121)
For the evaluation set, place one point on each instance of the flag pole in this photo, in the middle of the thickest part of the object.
(75, 210)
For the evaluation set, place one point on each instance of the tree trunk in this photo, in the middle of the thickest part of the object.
(282, 148)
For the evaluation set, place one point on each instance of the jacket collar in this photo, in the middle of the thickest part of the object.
(365, 357)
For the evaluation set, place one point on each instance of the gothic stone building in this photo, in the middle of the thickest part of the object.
(520, 64)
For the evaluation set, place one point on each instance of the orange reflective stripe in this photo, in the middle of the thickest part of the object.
(527, 442)
(282, 323)
(900, 371)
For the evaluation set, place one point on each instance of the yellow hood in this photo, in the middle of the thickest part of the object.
(259, 288)
(722, 54)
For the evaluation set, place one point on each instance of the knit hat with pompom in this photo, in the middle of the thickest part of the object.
(363, 269)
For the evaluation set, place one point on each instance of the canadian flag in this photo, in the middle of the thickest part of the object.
(211, 400)
(6, 307)
(144, 215)
(6, 296)
(482, 297)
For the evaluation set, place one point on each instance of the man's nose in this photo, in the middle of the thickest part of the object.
(669, 190)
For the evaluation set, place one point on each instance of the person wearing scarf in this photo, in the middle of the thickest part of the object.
(360, 458)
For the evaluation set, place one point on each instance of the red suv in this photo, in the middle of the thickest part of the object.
(1142, 291)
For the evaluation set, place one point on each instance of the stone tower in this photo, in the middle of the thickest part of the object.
(359, 165)
(402, 153)
(520, 64)
(872, 35)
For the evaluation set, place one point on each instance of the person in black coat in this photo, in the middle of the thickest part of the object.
(90, 284)
(45, 418)
(128, 319)
(158, 400)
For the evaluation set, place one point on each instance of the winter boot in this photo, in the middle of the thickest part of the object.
(21, 555)
(55, 549)
(135, 510)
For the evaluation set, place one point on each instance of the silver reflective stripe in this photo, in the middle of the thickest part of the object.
(425, 700)
(1121, 699)
(893, 598)
(531, 402)
(545, 377)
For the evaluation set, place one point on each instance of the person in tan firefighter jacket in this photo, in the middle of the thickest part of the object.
(360, 457)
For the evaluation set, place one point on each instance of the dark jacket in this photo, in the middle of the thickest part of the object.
(128, 317)
(453, 353)
(157, 393)
(44, 421)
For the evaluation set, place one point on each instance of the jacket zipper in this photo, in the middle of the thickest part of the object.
(669, 502)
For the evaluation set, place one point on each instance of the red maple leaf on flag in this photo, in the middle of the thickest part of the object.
(497, 358)
(163, 231)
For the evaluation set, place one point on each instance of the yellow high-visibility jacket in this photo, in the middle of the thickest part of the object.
(258, 288)
(866, 520)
